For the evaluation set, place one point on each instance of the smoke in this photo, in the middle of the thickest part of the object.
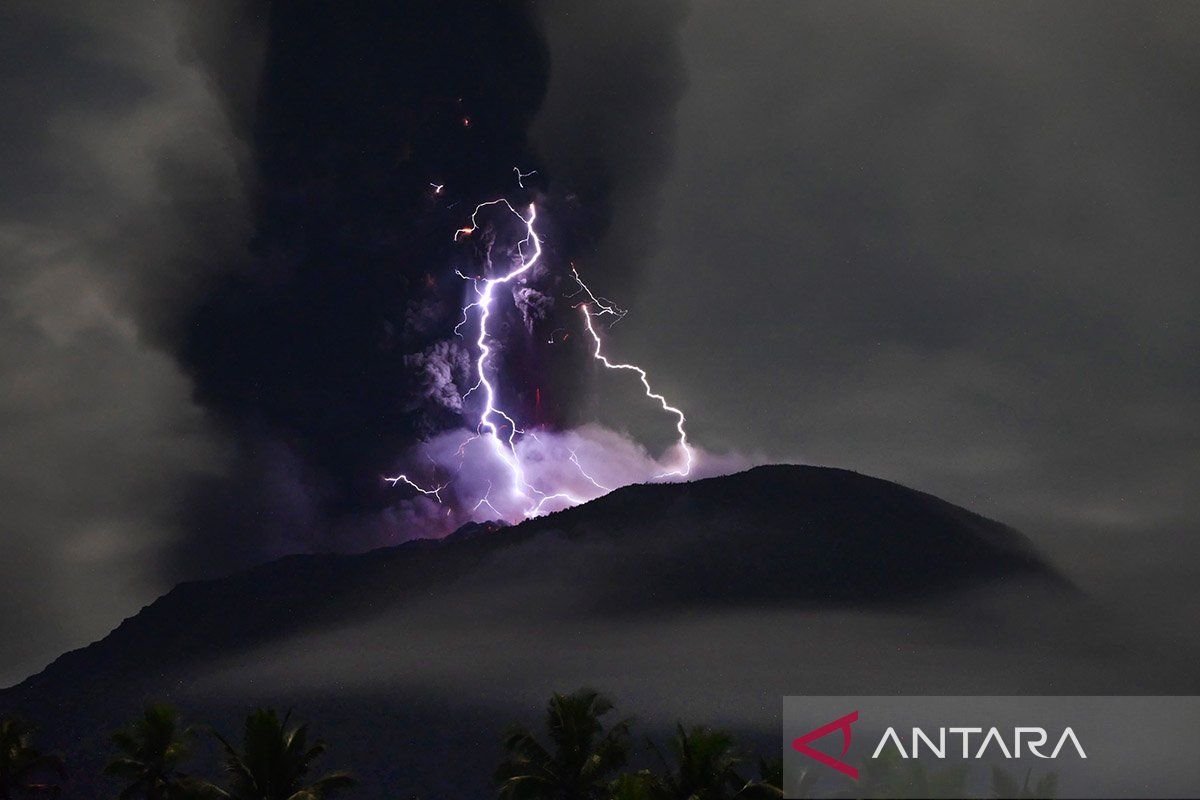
(331, 348)
(125, 194)
(535, 306)
(229, 283)
(441, 374)
(606, 132)
(584, 462)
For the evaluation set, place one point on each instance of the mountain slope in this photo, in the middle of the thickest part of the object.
(497, 602)
(774, 533)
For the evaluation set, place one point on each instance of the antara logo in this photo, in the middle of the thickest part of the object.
(843, 724)
(1034, 740)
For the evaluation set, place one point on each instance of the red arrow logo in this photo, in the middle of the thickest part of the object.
(843, 724)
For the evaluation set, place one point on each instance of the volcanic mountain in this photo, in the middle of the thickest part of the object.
(717, 595)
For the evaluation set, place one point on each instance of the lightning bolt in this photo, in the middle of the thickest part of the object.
(605, 305)
(496, 425)
(504, 445)
(486, 500)
(434, 492)
(521, 176)
(584, 473)
(505, 448)
(680, 419)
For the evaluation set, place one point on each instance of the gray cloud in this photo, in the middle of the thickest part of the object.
(535, 306)
(607, 127)
(729, 665)
(441, 375)
(952, 245)
(122, 193)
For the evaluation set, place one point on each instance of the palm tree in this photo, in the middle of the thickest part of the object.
(803, 783)
(579, 759)
(22, 764)
(714, 780)
(274, 762)
(769, 784)
(152, 750)
(1004, 785)
(705, 767)
(642, 785)
(890, 776)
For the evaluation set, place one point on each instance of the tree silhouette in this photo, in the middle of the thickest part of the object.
(578, 760)
(803, 783)
(152, 750)
(705, 767)
(24, 770)
(1005, 786)
(890, 776)
(642, 785)
(275, 761)
(769, 784)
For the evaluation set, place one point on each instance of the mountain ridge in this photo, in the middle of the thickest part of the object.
(613, 516)
(417, 656)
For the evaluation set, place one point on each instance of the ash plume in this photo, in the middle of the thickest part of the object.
(440, 374)
(231, 292)
(372, 134)
(586, 461)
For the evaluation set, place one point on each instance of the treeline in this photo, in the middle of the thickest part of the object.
(580, 755)
(274, 761)
(582, 758)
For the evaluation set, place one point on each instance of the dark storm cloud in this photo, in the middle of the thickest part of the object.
(317, 344)
(954, 245)
(376, 132)
(122, 192)
(229, 275)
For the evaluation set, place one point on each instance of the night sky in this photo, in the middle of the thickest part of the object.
(949, 244)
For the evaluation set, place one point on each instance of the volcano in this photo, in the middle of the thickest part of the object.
(437, 644)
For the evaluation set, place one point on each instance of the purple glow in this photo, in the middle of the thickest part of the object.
(541, 471)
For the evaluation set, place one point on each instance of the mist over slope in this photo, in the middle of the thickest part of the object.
(778, 534)
(704, 601)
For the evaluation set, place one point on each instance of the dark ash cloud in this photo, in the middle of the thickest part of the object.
(375, 132)
(229, 275)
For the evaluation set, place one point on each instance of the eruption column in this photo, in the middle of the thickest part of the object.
(495, 424)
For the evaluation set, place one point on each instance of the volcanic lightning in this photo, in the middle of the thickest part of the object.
(497, 426)
(680, 420)
(505, 449)
(402, 478)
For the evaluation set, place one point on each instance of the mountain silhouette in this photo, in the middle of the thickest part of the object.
(776, 538)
